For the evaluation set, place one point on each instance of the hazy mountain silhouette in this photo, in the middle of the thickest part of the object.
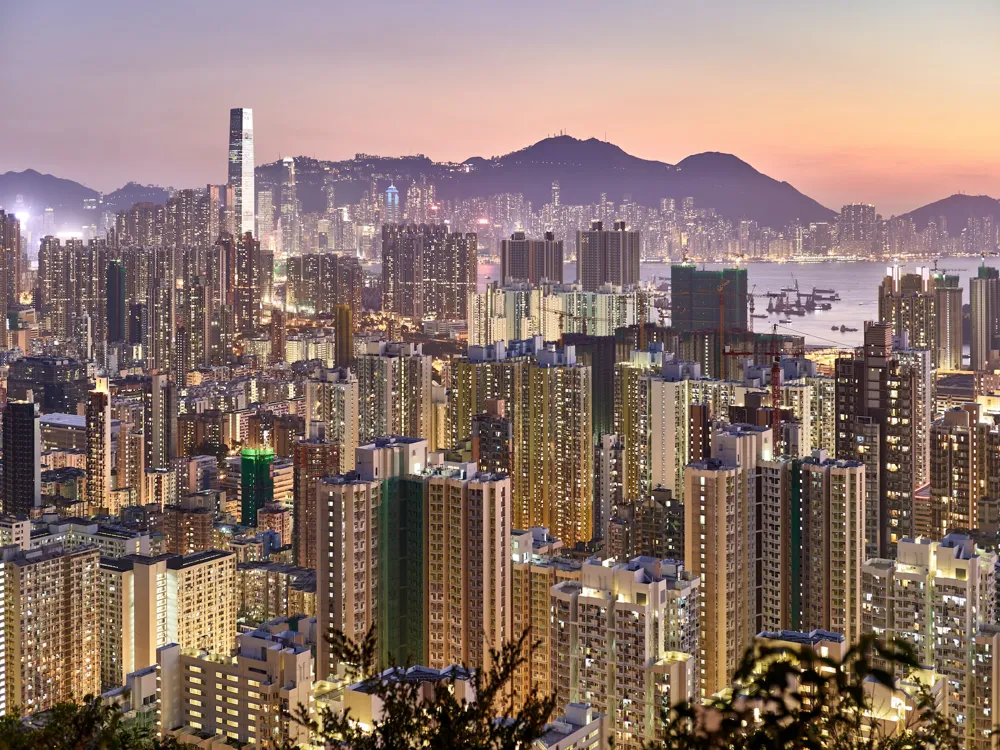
(41, 191)
(587, 168)
(957, 210)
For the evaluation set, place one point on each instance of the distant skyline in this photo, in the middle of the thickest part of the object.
(889, 103)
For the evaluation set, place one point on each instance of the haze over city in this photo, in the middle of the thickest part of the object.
(887, 103)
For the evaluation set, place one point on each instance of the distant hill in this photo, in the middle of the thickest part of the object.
(133, 192)
(41, 191)
(957, 210)
(587, 168)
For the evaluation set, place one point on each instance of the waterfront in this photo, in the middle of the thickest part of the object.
(856, 282)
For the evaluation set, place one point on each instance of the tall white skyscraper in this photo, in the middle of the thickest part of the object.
(241, 166)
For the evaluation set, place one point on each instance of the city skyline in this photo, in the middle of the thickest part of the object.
(847, 106)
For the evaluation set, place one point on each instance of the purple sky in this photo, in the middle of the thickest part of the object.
(891, 102)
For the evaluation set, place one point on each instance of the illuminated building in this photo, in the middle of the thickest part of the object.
(51, 626)
(856, 229)
(314, 458)
(883, 419)
(468, 563)
(289, 209)
(935, 596)
(949, 302)
(332, 402)
(394, 391)
(241, 169)
(245, 698)
(249, 273)
(10, 259)
(909, 303)
(98, 488)
(535, 569)
(719, 503)
(627, 643)
(427, 271)
(607, 257)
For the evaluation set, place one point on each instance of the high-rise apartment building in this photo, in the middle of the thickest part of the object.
(823, 547)
(116, 302)
(949, 304)
(394, 391)
(958, 450)
(908, 303)
(493, 439)
(984, 295)
(51, 626)
(10, 258)
(241, 169)
(97, 492)
(534, 261)
(248, 277)
(535, 569)
(427, 271)
(314, 458)
(468, 564)
(882, 421)
(720, 498)
(856, 228)
(936, 596)
(627, 643)
(22, 458)
(607, 256)
(348, 567)
(332, 410)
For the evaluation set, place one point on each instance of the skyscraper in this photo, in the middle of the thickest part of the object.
(344, 336)
(392, 213)
(241, 166)
(116, 302)
(249, 272)
(909, 304)
(98, 487)
(882, 407)
(607, 257)
(394, 389)
(22, 457)
(289, 209)
(856, 228)
(51, 626)
(695, 303)
(10, 259)
(428, 271)
(984, 295)
(949, 303)
(523, 259)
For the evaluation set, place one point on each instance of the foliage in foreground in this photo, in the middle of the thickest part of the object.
(413, 719)
(91, 725)
(811, 702)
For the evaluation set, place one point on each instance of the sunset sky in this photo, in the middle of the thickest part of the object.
(889, 102)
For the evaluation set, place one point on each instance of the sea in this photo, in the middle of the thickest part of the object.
(856, 282)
